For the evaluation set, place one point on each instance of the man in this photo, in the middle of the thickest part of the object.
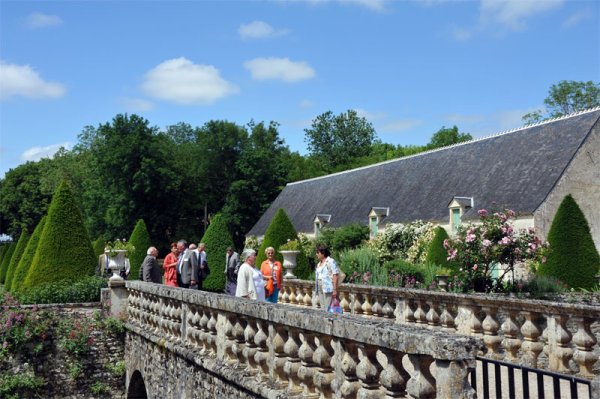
(187, 266)
(150, 271)
(232, 263)
(102, 269)
(245, 282)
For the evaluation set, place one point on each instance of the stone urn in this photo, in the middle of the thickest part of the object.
(119, 261)
(289, 262)
(442, 280)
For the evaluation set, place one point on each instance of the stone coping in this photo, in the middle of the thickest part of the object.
(74, 305)
(381, 333)
(481, 300)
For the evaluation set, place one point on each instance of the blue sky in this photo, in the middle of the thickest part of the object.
(409, 67)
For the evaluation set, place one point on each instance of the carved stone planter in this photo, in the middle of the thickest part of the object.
(289, 263)
(117, 263)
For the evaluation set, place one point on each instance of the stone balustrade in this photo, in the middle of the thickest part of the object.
(544, 334)
(275, 350)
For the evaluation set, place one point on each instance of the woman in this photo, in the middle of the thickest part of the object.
(259, 283)
(326, 277)
(170, 266)
(245, 281)
(271, 270)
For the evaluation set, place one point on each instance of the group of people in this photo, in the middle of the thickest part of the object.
(187, 267)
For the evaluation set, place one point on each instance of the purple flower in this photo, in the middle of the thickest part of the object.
(482, 212)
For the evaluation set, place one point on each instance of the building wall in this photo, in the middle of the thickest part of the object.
(582, 181)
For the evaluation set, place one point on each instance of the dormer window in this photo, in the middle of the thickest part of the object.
(376, 217)
(319, 222)
(457, 208)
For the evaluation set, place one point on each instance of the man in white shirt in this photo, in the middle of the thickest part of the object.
(245, 282)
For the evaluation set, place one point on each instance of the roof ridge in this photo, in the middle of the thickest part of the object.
(502, 133)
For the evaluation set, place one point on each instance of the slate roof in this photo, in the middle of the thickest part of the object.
(516, 169)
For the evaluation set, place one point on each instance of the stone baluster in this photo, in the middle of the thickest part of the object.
(559, 343)
(178, 321)
(250, 346)
(230, 339)
(532, 347)
(164, 317)
(285, 296)
(239, 343)
(278, 344)
(156, 314)
(292, 364)
(474, 322)
(447, 318)
(420, 315)
(356, 307)
(377, 308)
(451, 380)
(367, 371)
(133, 307)
(367, 308)
(350, 385)
(193, 319)
(344, 301)
(307, 366)
(324, 374)
(388, 308)
(307, 299)
(203, 329)
(511, 341)
(433, 315)
(490, 327)
(584, 342)
(409, 312)
(261, 356)
(421, 383)
(212, 330)
(292, 296)
(393, 377)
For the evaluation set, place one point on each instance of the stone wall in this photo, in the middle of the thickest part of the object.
(54, 365)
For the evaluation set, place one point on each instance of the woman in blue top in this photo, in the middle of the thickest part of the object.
(326, 277)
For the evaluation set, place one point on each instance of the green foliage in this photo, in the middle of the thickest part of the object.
(76, 336)
(99, 388)
(396, 240)
(98, 246)
(543, 286)
(6, 261)
(83, 291)
(14, 261)
(437, 254)
(21, 385)
(573, 257)
(117, 369)
(140, 239)
(217, 239)
(281, 230)
(25, 262)
(362, 267)
(405, 274)
(3, 249)
(64, 251)
(447, 136)
(346, 237)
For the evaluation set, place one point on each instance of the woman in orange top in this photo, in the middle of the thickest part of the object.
(170, 266)
(269, 268)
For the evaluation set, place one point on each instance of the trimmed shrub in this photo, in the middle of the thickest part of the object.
(64, 251)
(82, 291)
(98, 246)
(140, 239)
(6, 261)
(281, 230)
(3, 249)
(14, 261)
(217, 239)
(573, 257)
(437, 254)
(27, 258)
(346, 237)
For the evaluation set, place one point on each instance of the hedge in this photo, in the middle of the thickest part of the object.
(5, 261)
(140, 239)
(436, 253)
(99, 246)
(217, 239)
(14, 261)
(27, 258)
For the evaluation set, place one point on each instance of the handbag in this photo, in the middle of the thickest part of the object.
(334, 306)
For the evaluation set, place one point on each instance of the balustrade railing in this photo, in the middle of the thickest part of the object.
(294, 351)
(557, 336)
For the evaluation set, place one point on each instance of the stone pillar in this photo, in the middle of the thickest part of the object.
(451, 381)
(118, 297)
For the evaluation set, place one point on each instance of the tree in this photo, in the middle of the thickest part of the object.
(6, 261)
(217, 239)
(338, 139)
(140, 239)
(566, 97)
(14, 261)
(573, 257)
(64, 252)
(281, 230)
(25, 262)
(447, 136)
(436, 253)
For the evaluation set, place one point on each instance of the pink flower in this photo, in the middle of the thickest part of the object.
(482, 212)
(510, 213)
(475, 267)
(452, 254)
(486, 243)
(470, 238)
(505, 241)
(446, 244)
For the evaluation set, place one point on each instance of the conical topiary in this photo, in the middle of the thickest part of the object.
(573, 257)
(140, 239)
(5, 261)
(281, 230)
(99, 246)
(27, 258)
(64, 252)
(217, 239)
(436, 253)
(3, 249)
(14, 262)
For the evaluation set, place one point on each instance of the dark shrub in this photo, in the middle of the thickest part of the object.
(217, 239)
(140, 239)
(82, 291)
(348, 237)
(437, 254)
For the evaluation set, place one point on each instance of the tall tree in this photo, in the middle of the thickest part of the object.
(447, 136)
(339, 139)
(23, 266)
(566, 97)
(14, 261)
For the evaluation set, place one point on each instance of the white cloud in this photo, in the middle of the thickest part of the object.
(37, 20)
(369, 116)
(259, 30)
(467, 119)
(24, 81)
(37, 153)
(400, 126)
(577, 18)
(181, 81)
(460, 34)
(306, 104)
(375, 5)
(279, 69)
(513, 13)
(136, 104)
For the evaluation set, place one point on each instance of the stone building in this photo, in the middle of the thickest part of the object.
(529, 170)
